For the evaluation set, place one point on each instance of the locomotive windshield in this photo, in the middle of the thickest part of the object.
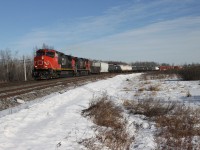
(50, 54)
(40, 53)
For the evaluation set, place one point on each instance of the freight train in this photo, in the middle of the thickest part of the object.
(50, 63)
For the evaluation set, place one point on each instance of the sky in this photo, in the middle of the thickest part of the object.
(119, 30)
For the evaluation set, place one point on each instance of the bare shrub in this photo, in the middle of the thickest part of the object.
(104, 113)
(178, 129)
(126, 89)
(159, 75)
(12, 68)
(91, 143)
(153, 88)
(178, 125)
(116, 139)
(149, 88)
(144, 77)
(153, 75)
(190, 73)
(141, 89)
(111, 127)
(149, 107)
(147, 82)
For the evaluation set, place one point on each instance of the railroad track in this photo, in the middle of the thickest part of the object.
(18, 89)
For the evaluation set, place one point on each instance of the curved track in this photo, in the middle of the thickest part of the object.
(10, 92)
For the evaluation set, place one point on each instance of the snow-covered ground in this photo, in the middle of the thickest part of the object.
(55, 122)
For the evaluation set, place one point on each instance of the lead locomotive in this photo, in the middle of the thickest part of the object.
(50, 63)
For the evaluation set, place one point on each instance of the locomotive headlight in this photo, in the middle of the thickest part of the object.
(35, 66)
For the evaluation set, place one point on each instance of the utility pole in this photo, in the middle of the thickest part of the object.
(24, 69)
(7, 67)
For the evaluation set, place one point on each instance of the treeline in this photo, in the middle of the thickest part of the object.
(13, 69)
(145, 64)
(190, 72)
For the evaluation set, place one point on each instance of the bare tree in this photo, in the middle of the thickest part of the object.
(45, 46)
(5, 56)
(12, 68)
(145, 64)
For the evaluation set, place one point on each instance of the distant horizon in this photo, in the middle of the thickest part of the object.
(164, 31)
(160, 63)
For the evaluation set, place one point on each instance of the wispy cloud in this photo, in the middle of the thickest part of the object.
(175, 41)
(135, 31)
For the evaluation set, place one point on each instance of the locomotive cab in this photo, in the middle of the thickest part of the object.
(46, 59)
(45, 62)
(53, 64)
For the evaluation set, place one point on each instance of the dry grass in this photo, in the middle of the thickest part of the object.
(104, 113)
(177, 130)
(141, 89)
(153, 76)
(159, 75)
(149, 107)
(147, 82)
(7, 103)
(178, 125)
(190, 73)
(126, 89)
(153, 88)
(112, 132)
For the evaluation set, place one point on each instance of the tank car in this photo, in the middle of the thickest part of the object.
(119, 68)
(125, 68)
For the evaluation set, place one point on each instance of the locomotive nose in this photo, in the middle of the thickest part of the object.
(41, 64)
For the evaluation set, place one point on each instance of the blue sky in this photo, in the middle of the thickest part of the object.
(123, 30)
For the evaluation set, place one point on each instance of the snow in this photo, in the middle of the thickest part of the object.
(55, 122)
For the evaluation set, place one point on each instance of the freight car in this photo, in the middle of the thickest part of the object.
(164, 68)
(119, 68)
(125, 68)
(53, 64)
(99, 67)
(95, 68)
(144, 68)
(104, 67)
